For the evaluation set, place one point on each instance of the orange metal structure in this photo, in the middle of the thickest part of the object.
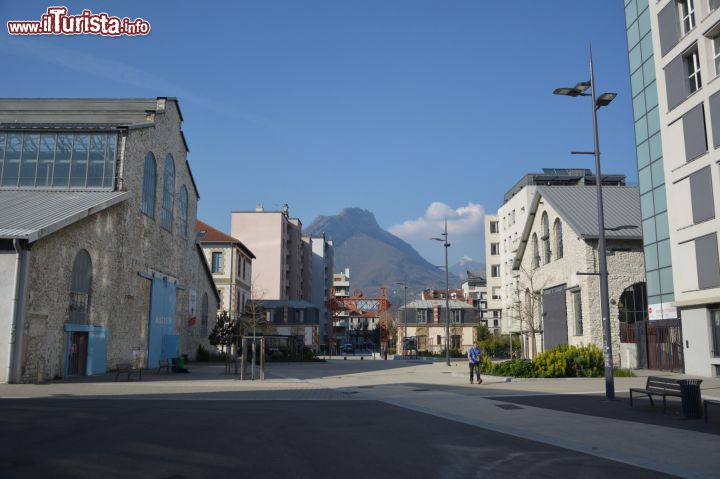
(359, 305)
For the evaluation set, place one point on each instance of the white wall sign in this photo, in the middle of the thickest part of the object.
(662, 311)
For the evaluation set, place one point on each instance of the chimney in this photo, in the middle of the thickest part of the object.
(259, 207)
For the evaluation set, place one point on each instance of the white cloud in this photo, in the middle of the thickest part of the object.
(464, 221)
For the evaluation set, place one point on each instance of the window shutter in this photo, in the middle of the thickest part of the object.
(708, 264)
(701, 194)
(694, 133)
(676, 84)
(669, 25)
(715, 118)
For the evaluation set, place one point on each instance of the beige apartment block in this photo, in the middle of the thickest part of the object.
(556, 291)
(425, 320)
(276, 241)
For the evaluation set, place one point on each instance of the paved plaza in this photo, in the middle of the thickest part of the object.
(348, 418)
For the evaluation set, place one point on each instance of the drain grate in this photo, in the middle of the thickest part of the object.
(508, 406)
(420, 389)
(349, 392)
(365, 387)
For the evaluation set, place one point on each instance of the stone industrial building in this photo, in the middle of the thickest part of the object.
(231, 266)
(555, 295)
(502, 231)
(674, 59)
(98, 257)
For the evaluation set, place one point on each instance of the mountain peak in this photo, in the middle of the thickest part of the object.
(375, 256)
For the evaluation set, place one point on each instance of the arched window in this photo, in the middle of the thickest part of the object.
(149, 185)
(204, 316)
(535, 252)
(557, 230)
(545, 238)
(632, 308)
(80, 288)
(182, 211)
(168, 193)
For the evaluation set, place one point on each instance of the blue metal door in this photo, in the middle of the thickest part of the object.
(162, 319)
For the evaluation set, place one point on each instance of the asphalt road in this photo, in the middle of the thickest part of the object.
(111, 438)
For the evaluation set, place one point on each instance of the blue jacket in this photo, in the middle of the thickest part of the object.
(474, 355)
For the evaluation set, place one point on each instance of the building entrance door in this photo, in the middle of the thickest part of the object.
(554, 317)
(77, 358)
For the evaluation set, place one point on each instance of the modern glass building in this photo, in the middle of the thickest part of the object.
(653, 201)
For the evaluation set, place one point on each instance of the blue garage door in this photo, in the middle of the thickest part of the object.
(163, 340)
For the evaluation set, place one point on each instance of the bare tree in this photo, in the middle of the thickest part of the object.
(524, 307)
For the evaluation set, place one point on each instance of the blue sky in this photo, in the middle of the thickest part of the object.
(412, 109)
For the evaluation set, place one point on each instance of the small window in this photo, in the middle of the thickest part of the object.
(535, 252)
(217, 262)
(182, 211)
(147, 205)
(716, 52)
(715, 328)
(421, 315)
(577, 309)
(439, 340)
(686, 13)
(496, 293)
(168, 193)
(494, 249)
(494, 227)
(546, 238)
(495, 271)
(557, 229)
(456, 315)
(80, 283)
(692, 64)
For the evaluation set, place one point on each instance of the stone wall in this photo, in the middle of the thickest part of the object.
(123, 243)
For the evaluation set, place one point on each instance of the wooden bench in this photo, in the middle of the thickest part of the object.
(164, 364)
(126, 368)
(709, 402)
(658, 386)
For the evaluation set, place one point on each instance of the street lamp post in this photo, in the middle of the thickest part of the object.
(404, 338)
(444, 240)
(597, 103)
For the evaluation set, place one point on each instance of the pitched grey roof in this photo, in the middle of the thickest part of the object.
(577, 206)
(33, 214)
(429, 303)
(18, 112)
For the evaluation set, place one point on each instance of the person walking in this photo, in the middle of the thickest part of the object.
(474, 363)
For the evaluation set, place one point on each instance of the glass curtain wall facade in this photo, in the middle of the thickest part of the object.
(651, 178)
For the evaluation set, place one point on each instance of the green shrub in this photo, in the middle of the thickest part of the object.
(623, 373)
(566, 361)
(518, 368)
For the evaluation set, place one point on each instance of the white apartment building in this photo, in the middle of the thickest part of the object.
(511, 218)
(493, 265)
(681, 78)
(322, 280)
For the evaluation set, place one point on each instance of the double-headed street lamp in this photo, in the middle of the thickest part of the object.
(444, 240)
(404, 338)
(597, 102)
